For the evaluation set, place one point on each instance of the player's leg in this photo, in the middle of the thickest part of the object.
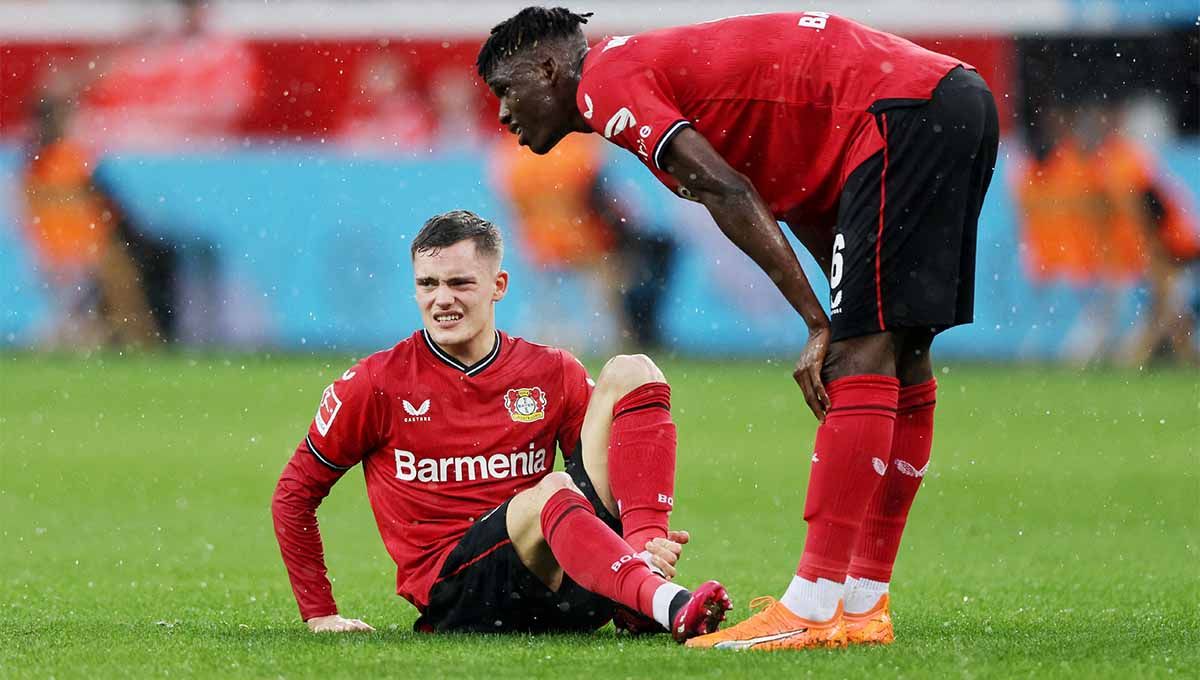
(557, 535)
(626, 461)
(484, 586)
(847, 463)
(900, 260)
(849, 457)
(867, 614)
(852, 444)
(945, 154)
(628, 447)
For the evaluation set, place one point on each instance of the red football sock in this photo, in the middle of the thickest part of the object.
(850, 457)
(641, 462)
(879, 540)
(595, 557)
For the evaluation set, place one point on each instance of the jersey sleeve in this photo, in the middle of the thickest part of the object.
(346, 427)
(632, 105)
(577, 391)
(348, 421)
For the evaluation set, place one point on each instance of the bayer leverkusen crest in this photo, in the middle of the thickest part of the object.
(525, 404)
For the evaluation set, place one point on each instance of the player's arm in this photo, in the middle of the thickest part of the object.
(300, 490)
(343, 431)
(743, 216)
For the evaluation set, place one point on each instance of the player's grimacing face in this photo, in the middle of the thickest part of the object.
(530, 105)
(456, 289)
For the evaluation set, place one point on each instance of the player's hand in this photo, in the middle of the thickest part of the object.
(336, 624)
(665, 552)
(808, 371)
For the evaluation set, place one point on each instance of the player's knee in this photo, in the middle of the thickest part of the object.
(523, 518)
(552, 484)
(873, 354)
(914, 364)
(524, 512)
(626, 372)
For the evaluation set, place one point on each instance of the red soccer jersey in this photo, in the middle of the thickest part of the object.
(784, 98)
(441, 444)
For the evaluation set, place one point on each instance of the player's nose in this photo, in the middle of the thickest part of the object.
(505, 114)
(444, 297)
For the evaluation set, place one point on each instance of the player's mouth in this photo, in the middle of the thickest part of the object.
(519, 132)
(447, 319)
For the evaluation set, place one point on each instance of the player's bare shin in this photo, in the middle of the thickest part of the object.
(743, 216)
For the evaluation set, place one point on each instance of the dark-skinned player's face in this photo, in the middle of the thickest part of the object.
(534, 104)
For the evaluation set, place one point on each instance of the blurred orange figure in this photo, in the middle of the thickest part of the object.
(554, 200)
(551, 197)
(1145, 211)
(1097, 213)
(1122, 172)
(68, 225)
(72, 229)
(1060, 210)
(1077, 222)
(1132, 181)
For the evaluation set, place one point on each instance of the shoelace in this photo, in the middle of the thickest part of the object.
(760, 603)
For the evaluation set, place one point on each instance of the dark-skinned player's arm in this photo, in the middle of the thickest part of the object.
(744, 218)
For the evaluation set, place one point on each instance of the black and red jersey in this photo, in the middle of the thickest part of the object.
(786, 99)
(441, 444)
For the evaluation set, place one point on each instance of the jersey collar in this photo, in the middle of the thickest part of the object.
(473, 369)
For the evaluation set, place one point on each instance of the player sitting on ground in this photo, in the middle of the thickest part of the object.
(455, 428)
(877, 154)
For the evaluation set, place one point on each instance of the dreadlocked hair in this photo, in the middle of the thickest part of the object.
(526, 29)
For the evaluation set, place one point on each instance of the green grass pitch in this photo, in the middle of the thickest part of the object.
(1058, 533)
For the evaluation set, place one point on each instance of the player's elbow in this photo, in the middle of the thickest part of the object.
(289, 500)
(729, 188)
(280, 502)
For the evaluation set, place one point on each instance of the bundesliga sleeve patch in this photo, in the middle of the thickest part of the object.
(327, 411)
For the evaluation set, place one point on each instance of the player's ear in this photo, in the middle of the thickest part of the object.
(501, 286)
(549, 70)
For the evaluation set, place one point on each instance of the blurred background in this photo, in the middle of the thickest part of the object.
(246, 175)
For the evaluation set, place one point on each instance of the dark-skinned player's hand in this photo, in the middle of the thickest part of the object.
(808, 371)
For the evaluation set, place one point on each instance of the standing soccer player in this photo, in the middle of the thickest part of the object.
(877, 154)
(455, 428)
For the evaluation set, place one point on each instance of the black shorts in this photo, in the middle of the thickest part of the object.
(484, 587)
(904, 251)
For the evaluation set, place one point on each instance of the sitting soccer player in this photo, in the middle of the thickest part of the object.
(456, 428)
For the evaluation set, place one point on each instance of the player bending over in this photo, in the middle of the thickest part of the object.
(455, 428)
(877, 154)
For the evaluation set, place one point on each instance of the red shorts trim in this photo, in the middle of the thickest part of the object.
(473, 560)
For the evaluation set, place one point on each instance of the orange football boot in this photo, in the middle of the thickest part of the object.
(774, 626)
(871, 627)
